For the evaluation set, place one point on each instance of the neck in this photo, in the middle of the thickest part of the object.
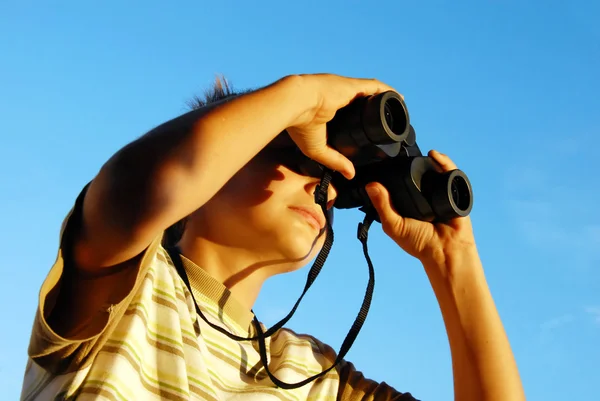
(241, 271)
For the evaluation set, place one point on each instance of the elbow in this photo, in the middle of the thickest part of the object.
(134, 189)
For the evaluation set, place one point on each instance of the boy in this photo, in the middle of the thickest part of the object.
(117, 320)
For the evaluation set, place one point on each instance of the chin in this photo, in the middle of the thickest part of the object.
(300, 247)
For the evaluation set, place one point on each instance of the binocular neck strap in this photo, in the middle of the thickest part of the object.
(362, 234)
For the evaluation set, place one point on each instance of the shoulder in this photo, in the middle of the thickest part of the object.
(318, 356)
(303, 348)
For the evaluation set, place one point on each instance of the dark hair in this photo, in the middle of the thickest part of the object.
(221, 89)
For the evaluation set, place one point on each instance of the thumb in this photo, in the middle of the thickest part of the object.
(392, 223)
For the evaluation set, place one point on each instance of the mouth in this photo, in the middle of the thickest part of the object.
(315, 219)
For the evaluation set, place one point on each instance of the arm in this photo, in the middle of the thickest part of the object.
(482, 361)
(174, 169)
(149, 185)
(483, 365)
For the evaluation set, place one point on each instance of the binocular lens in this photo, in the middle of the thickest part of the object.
(395, 116)
(460, 192)
(389, 119)
(449, 194)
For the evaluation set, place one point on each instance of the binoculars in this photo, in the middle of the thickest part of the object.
(376, 135)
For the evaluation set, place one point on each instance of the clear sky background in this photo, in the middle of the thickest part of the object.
(509, 89)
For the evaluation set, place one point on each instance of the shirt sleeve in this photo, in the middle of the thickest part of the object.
(354, 386)
(57, 354)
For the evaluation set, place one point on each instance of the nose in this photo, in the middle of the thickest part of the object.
(331, 192)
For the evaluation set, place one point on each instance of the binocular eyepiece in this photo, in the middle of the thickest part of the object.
(376, 135)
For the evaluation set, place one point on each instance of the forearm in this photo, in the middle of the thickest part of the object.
(482, 361)
(174, 169)
(193, 156)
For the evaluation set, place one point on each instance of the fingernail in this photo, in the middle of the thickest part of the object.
(372, 191)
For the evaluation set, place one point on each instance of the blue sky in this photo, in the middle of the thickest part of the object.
(507, 88)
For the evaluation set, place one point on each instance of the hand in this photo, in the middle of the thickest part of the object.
(426, 241)
(326, 94)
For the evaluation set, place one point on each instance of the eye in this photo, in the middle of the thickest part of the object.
(310, 168)
(299, 163)
(293, 158)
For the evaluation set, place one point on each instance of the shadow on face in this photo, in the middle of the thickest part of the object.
(254, 184)
(253, 215)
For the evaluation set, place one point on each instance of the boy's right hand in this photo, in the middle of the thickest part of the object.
(325, 94)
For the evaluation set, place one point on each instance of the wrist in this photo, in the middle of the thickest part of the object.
(461, 289)
(451, 266)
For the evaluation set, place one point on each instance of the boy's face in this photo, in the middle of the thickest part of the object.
(265, 209)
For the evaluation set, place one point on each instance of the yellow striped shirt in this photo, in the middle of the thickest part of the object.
(153, 346)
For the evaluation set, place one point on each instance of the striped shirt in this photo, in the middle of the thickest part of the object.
(152, 345)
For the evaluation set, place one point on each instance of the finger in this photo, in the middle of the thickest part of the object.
(365, 86)
(333, 159)
(392, 223)
(318, 150)
(444, 161)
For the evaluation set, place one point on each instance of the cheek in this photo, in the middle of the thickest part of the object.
(253, 199)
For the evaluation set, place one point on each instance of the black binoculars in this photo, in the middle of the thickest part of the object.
(376, 135)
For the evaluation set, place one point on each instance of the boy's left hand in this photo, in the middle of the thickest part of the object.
(426, 241)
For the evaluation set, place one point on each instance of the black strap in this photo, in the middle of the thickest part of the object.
(363, 228)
